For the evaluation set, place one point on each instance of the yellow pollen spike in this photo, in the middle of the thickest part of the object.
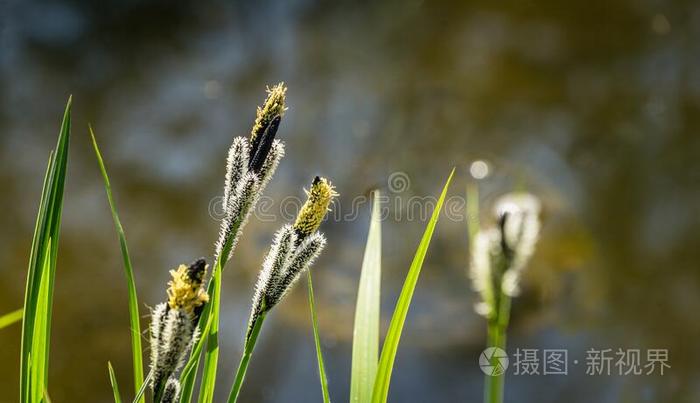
(274, 105)
(314, 210)
(185, 292)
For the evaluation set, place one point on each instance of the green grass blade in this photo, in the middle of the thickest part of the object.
(189, 374)
(142, 389)
(391, 342)
(317, 340)
(38, 298)
(113, 382)
(365, 338)
(211, 356)
(191, 367)
(11, 317)
(134, 317)
(40, 344)
(207, 324)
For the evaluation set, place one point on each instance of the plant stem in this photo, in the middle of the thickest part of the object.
(497, 335)
(317, 341)
(245, 358)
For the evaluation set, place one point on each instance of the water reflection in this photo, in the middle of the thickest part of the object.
(593, 106)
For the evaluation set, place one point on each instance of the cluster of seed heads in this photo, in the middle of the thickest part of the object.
(174, 327)
(293, 249)
(500, 253)
(250, 166)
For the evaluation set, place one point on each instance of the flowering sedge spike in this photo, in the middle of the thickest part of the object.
(250, 166)
(273, 106)
(520, 227)
(501, 253)
(315, 208)
(293, 250)
(173, 324)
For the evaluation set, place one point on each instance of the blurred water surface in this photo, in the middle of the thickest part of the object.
(592, 105)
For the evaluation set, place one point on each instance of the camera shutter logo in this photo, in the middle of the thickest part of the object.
(493, 361)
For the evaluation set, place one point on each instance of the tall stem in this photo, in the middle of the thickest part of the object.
(497, 334)
(245, 358)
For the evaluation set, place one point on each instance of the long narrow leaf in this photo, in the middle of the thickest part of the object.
(317, 341)
(365, 338)
(40, 343)
(113, 382)
(211, 357)
(38, 298)
(391, 342)
(134, 318)
(11, 317)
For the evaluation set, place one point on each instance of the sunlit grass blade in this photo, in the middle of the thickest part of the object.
(391, 342)
(142, 389)
(38, 298)
(209, 325)
(11, 317)
(113, 382)
(317, 341)
(134, 318)
(211, 356)
(192, 365)
(365, 339)
(189, 374)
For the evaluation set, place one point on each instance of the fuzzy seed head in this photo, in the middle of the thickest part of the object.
(274, 106)
(171, 394)
(481, 271)
(304, 256)
(518, 216)
(314, 210)
(185, 291)
(236, 167)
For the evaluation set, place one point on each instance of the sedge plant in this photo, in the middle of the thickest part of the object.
(38, 297)
(371, 370)
(499, 254)
(293, 250)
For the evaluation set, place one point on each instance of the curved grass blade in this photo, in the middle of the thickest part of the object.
(317, 341)
(38, 298)
(134, 318)
(391, 342)
(11, 317)
(113, 382)
(365, 338)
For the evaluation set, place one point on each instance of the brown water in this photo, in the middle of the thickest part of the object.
(593, 106)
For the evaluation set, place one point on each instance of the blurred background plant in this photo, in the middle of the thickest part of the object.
(592, 105)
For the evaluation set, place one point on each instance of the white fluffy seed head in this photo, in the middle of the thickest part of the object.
(158, 316)
(241, 204)
(301, 259)
(274, 264)
(236, 167)
(175, 341)
(500, 254)
(518, 215)
(481, 270)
